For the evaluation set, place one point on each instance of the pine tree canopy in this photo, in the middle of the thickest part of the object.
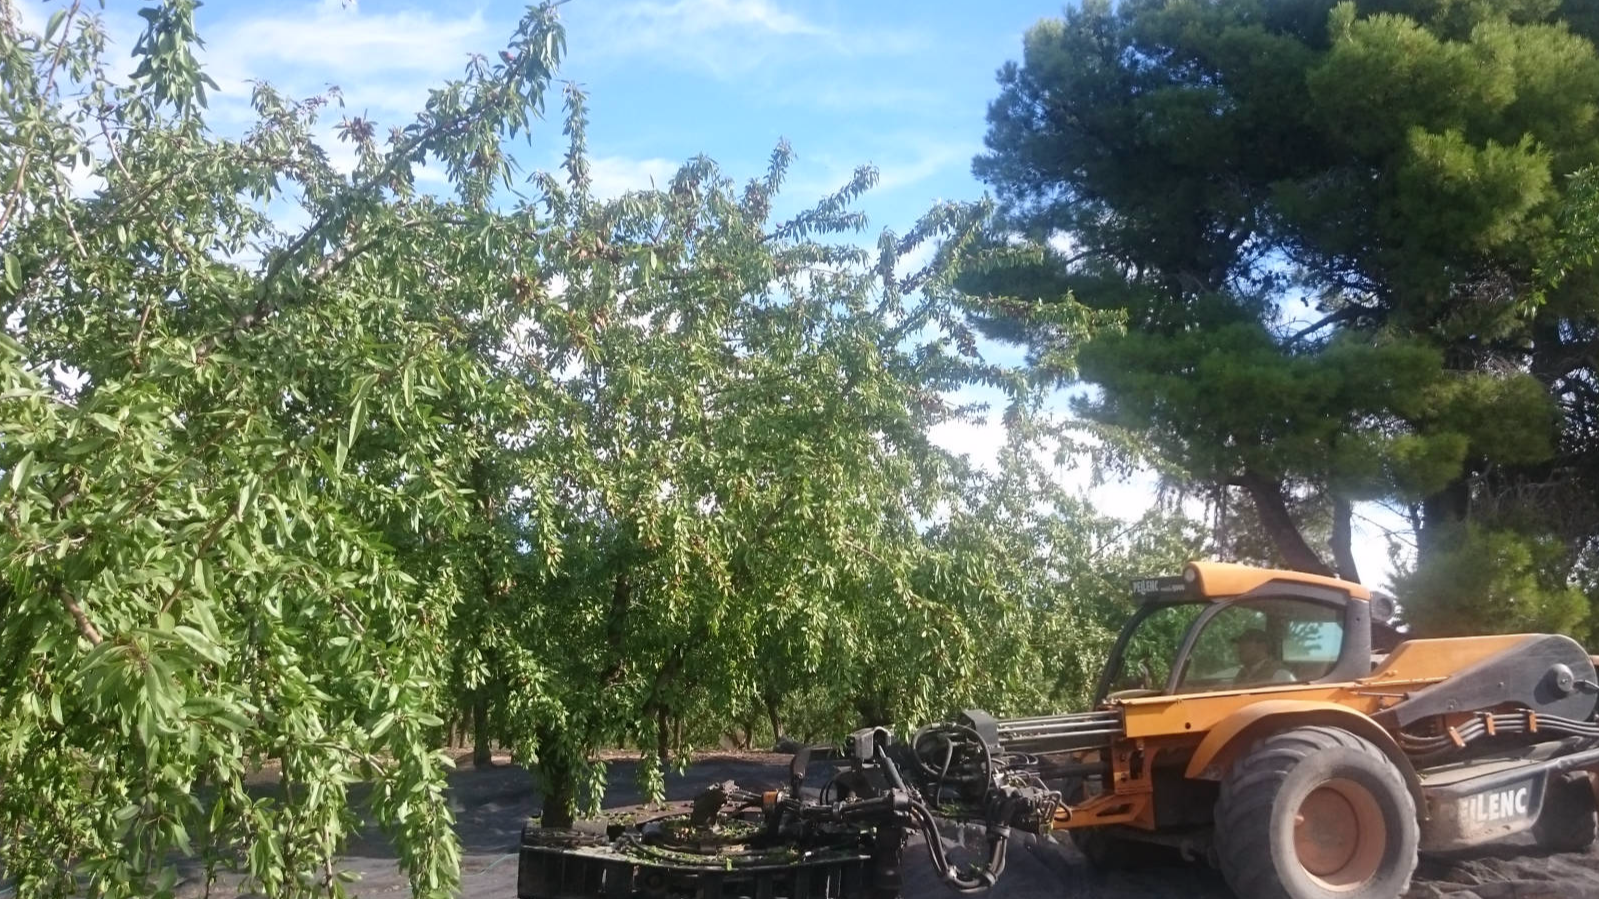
(1333, 249)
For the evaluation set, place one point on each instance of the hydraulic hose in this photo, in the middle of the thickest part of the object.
(1428, 748)
(970, 880)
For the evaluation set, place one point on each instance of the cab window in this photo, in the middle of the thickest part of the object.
(1146, 663)
(1262, 642)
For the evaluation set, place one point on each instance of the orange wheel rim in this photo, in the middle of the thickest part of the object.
(1340, 835)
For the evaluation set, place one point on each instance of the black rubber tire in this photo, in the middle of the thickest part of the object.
(1104, 851)
(1262, 794)
(1567, 822)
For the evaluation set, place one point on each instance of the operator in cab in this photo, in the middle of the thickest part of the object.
(1255, 664)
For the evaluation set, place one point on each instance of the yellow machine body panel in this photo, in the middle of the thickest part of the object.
(1413, 664)
(1438, 658)
(1224, 580)
(1222, 740)
(1197, 714)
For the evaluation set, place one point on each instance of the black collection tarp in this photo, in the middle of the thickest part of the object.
(491, 806)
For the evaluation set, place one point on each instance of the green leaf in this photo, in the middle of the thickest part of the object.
(384, 722)
(200, 611)
(202, 645)
(19, 472)
(13, 275)
(357, 413)
(202, 581)
(363, 385)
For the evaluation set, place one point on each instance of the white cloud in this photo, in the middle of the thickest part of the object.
(383, 62)
(723, 37)
(613, 176)
(430, 174)
(29, 15)
(913, 160)
(916, 259)
(694, 17)
(979, 442)
(854, 96)
(82, 180)
(931, 160)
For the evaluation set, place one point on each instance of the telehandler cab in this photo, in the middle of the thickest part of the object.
(1270, 722)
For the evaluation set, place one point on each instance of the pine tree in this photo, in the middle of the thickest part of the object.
(1340, 246)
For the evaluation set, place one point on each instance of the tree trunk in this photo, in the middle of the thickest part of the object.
(482, 751)
(493, 593)
(560, 795)
(772, 716)
(1279, 524)
(873, 711)
(663, 738)
(1343, 539)
(1441, 514)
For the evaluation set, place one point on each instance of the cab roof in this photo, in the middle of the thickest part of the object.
(1220, 580)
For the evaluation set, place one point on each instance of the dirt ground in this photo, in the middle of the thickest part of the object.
(491, 806)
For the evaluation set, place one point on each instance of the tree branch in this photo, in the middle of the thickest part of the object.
(1343, 314)
(85, 626)
(1343, 539)
(341, 207)
(1267, 494)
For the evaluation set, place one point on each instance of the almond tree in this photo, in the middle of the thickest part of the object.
(226, 447)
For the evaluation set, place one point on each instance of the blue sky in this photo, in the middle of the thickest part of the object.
(900, 85)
